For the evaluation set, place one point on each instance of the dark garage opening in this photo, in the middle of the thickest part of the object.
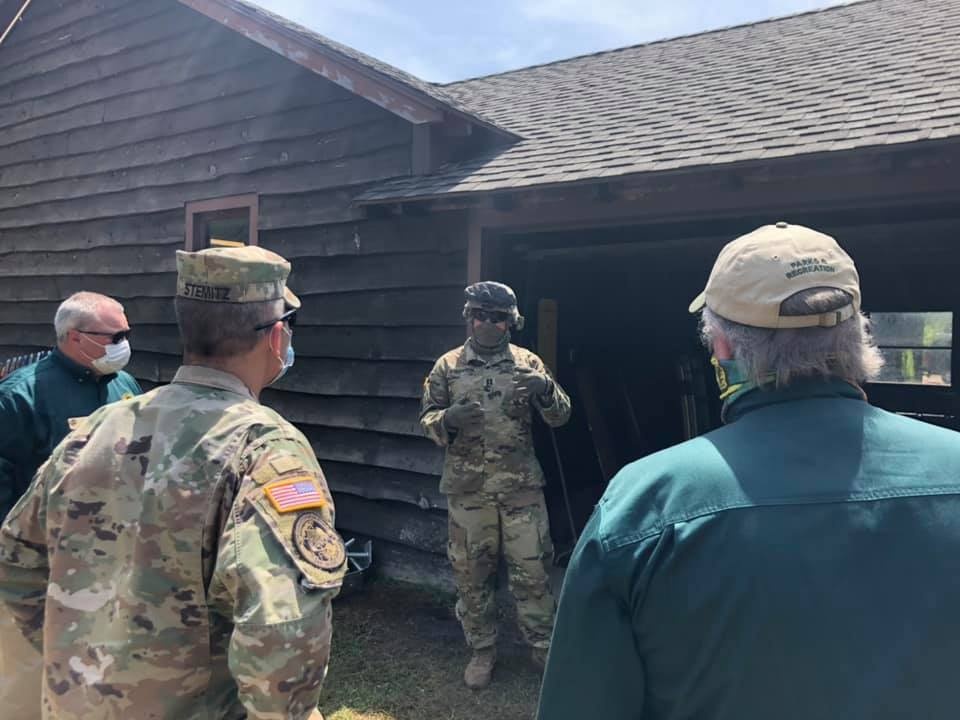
(607, 308)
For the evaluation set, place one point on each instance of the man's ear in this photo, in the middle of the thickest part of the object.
(721, 346)
(273, 337)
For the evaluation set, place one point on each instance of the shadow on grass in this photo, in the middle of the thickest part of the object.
(398, 654)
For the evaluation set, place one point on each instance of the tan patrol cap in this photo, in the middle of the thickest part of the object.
(755, 273)
(234, 275)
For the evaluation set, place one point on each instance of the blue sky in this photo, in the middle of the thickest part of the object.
(456, 39)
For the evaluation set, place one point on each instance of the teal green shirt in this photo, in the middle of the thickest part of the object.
(36, 405)
(802, 562)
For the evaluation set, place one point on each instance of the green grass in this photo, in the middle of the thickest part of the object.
(398, 654)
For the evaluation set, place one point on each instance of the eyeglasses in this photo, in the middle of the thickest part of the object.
(115, 338)
(289, 317)
(494, 316)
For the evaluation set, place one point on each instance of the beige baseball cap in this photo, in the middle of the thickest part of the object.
(755, 273)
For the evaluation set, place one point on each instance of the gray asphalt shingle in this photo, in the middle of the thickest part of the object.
(869, 73)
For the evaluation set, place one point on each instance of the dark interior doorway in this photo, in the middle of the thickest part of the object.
(628, 352)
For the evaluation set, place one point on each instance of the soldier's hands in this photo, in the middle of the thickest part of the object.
(316, 715)
(464, 416)
(529, 383)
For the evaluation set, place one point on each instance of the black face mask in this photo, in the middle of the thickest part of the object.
(488, 335)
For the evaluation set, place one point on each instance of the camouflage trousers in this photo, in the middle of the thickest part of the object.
(482, 525)
(21, 673)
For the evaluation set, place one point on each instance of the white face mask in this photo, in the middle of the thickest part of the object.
(114, 360)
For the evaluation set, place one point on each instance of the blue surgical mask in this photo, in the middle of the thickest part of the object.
(287, 361)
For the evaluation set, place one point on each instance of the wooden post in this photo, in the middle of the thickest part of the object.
(955, 362)
(547, 322)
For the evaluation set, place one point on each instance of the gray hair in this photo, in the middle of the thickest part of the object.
(222, 330)
(79, 310)
(845, 351)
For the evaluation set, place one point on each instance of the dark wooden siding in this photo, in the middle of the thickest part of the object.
(114, 113)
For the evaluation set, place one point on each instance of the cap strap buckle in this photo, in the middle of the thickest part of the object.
(832, 319)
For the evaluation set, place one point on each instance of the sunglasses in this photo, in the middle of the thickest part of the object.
(115, 338)
(289, 317)
(494, 316)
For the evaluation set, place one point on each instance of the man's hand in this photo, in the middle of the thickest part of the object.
(316, 715)
(464, 416)
(529, 383)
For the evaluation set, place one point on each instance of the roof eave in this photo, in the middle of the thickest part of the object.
(478, 195)
(402, 100)
(7, 27)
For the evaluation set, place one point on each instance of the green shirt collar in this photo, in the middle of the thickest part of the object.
(800, 390)
(78, 371)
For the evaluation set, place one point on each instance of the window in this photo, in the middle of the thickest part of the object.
(917, 347)
(222, 222)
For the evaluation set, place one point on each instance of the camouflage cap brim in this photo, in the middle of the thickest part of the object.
(291, 300)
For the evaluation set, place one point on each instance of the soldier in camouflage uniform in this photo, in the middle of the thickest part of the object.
(478, 403)
(175, 559)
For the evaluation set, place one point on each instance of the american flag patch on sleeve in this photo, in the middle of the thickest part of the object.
(295, 494)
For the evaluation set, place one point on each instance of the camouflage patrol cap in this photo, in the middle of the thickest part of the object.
(489, 295)
(234, 275)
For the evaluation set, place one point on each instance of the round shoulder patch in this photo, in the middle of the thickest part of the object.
(317, 542)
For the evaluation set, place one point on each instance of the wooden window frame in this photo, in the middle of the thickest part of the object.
(952, 348)
(196, 209)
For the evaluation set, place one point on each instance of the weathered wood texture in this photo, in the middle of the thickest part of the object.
(392, 309)
(115, 113)
(402, 562)
(375, 483)
(393, 522)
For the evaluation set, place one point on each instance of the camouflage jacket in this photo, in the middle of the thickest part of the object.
(175, 559)
(500, 456)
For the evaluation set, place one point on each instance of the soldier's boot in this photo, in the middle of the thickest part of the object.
(539, 657)
(480, 668)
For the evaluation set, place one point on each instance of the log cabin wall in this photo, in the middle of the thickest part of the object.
(116, 113)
